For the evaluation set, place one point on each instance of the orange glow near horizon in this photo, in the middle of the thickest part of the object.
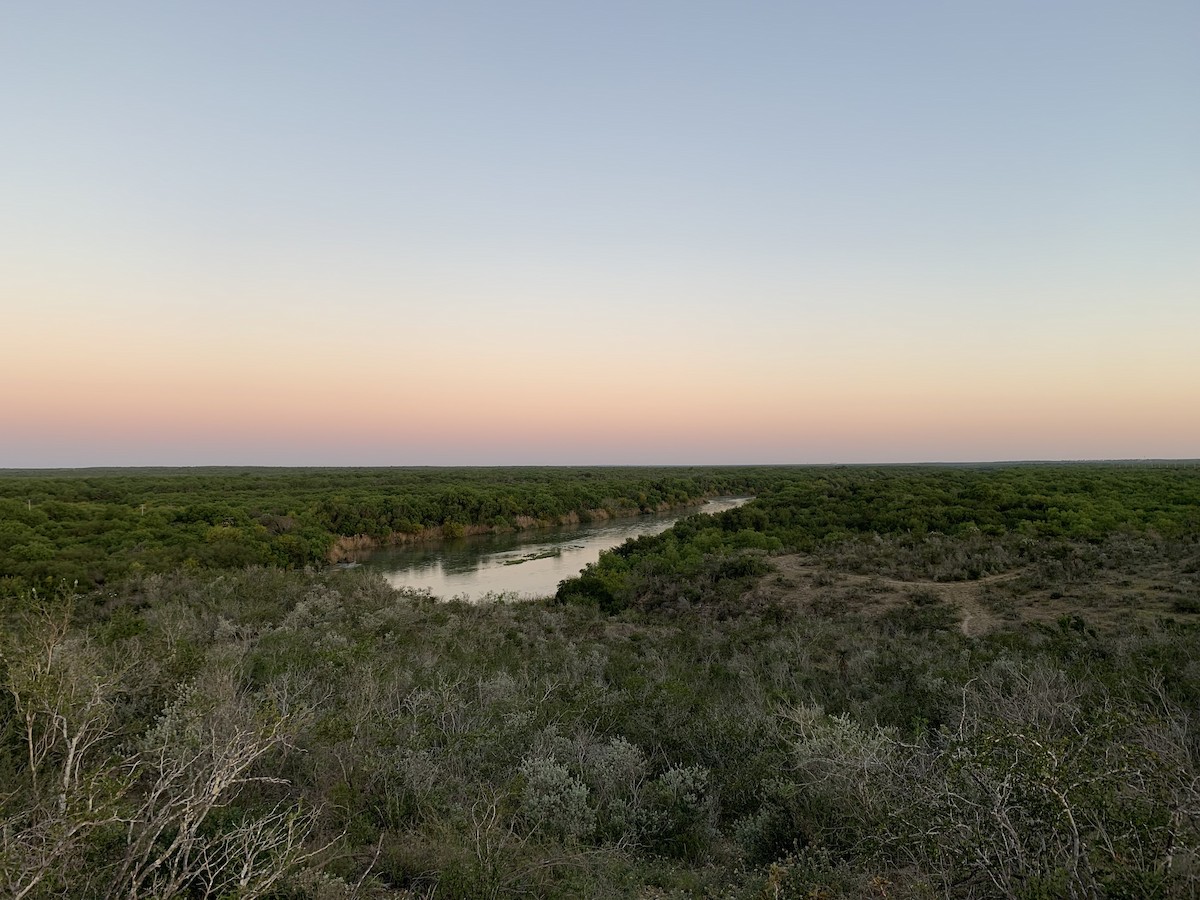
(244, 378)
(239, 403)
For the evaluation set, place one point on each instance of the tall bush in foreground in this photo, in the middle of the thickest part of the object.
(90, 810)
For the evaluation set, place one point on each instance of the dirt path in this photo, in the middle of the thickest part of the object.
(806, 580)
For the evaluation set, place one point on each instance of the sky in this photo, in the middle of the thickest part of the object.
(276, 232)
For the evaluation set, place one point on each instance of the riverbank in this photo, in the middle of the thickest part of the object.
(351, 548)
(518, 563)
(97, 527)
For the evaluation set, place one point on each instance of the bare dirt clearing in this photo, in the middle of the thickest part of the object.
(1107, 597)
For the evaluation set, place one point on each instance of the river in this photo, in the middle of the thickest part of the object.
(518, 564)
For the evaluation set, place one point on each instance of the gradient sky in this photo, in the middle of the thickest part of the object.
(290, 233)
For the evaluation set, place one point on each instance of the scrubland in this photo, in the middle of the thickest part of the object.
(888, 682)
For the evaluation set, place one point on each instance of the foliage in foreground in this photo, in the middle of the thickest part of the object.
(265, 733)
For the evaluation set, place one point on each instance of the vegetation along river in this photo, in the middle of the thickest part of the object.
(520, 564)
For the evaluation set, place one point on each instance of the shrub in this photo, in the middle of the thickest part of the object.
(680, 813)
(553, 801)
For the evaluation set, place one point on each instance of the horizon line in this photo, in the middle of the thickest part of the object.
(657, 465)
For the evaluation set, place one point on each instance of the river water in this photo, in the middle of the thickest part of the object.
(518, 564)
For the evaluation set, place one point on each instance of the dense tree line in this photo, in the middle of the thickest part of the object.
(92, 526)
(1004, 516)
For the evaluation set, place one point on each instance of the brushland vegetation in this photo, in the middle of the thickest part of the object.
(95, 525)
(887, 682)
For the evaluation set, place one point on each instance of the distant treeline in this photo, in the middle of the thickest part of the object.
(93, 526)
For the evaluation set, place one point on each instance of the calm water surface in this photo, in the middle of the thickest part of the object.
(523, 564)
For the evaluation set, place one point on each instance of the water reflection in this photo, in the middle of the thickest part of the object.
(528, 564)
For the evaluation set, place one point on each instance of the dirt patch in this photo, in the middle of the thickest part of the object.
(799, 580)
(1109, 598)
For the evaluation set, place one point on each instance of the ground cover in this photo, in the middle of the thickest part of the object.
(781, 701)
